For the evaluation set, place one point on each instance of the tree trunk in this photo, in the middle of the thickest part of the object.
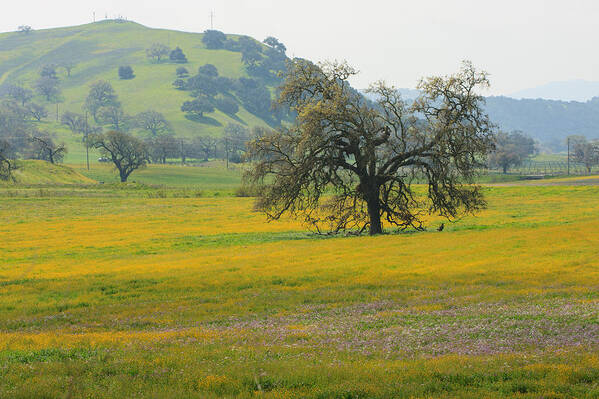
(123, 176)
(504, 169)
(374, 210)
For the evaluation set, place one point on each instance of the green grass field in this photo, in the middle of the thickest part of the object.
(175, 291)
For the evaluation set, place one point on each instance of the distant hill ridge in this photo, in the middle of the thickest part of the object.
(549, 121)
(571, 90)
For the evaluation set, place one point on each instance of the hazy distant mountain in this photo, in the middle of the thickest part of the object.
(549, 121)
(572, 90)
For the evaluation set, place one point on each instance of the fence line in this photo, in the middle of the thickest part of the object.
(530, 167)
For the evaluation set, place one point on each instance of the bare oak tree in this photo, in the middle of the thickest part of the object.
(7, 162)
(347, 163)
(157, 51)
(74, 121)
(37, 111)
(585, 152)
(126, 152)
(205, 146)
(162, 147)
(153, 122)
(19, 93)
(44, 148)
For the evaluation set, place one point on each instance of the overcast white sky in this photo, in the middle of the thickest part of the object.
(522, 43)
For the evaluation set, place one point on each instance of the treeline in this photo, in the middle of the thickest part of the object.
(20, 138)
(548, 121)
(231, 147)
(265, 65)
(513, 148)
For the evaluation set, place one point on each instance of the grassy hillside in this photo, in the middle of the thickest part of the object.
(42, 172)
(213, 177)
(98, 50)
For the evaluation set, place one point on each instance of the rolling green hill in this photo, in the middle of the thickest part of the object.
(42, 172)
(98, 50)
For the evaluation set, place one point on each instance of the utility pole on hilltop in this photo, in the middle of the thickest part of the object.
(211, 19)
(227, 152)
(94, 16)
(568, 156)
(86, 141)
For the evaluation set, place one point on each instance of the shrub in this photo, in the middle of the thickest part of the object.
(126, 72)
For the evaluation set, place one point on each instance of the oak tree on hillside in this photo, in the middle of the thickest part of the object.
(274, 43)
(126, 152)
(153, 122)
(348, 164)
(198, 106)
(44, 148)
(19, 93)
(49, 71)
(157, 52)
(68, 67)
(37, 111)
(101, 94)
(182, 72)
(178, 56)
(126, 72)
(7, 162)
(74, 121)
(214, 39)
(48, 87)
(208, 70)
(115, 117)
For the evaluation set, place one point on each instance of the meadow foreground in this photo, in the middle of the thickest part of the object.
(108, 293)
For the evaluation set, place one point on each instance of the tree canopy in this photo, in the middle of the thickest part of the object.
(585, 152)
(126, 72)
(511, 149)
(44, 148)
(214, 39)
(126, 152)
(153, 122)
(101, 94)
(349, 164)
(198, 106)
(157, 51)
(177, 56)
